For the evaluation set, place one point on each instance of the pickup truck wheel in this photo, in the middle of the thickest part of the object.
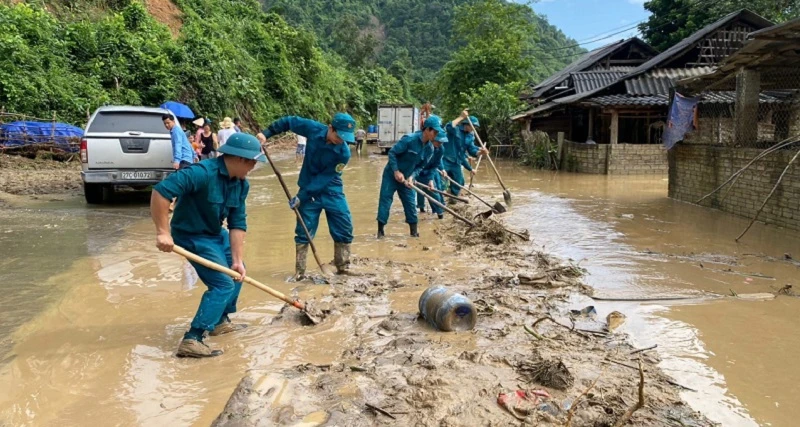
(93, 193)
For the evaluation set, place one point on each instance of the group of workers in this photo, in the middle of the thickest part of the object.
(214, 191)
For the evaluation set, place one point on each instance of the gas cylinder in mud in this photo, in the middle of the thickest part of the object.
(446, 310)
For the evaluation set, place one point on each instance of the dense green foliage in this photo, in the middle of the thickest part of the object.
(231, 58)
(673, 20)
(414, 39)
(242, 58)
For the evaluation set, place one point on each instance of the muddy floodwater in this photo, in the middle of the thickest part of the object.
(91, 312)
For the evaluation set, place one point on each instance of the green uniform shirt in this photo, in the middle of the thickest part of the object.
(207, 196)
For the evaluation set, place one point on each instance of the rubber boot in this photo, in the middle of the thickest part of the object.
(381, 234)
(440, 216)
(301, 254)
(341, 258)
(413, 229)
(422, 209)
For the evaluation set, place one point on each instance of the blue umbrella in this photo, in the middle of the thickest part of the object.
(179, 110)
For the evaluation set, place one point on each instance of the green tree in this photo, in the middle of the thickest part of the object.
(673, 20)
(498, 50)
(494, 105)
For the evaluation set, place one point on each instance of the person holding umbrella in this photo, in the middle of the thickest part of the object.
(209, 194)
(321, 185)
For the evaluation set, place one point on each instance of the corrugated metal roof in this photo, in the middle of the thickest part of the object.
(659, 82)
(663, 100)
(585, 62)
(591, 80)
(678, 49)
(624, 100)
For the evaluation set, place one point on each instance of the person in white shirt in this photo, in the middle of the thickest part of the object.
(225, 131)
(301, 149)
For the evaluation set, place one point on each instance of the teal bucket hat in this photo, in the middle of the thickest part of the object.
(344, 125)
(434, 122)
(472, 120)
(245, 146)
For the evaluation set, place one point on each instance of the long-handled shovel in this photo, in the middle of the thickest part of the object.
(444, 193)
(439, 204)
(299, 217)
(506, 193)
(314, 318)
(497, 208)
(475, 170)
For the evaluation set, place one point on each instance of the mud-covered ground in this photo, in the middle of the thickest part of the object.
(21, 175)
(529, 360)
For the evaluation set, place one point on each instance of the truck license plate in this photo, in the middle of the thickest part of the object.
(137, 175)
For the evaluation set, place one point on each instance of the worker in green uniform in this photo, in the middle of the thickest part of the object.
(431, 176)
(320, 182)
(406, 159)
(461, 142)
(209, 193)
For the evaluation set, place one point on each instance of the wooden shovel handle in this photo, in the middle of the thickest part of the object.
(214, 266)
(437, 203)
(296, 211)
(491, 163)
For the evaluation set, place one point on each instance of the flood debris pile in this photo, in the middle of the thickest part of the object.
(530, 360)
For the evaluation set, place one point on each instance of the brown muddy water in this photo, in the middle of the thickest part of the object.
(92, 312)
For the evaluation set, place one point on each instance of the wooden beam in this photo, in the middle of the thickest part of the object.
(614, 126)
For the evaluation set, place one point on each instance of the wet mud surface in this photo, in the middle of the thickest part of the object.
(513, 368)
(23, 176)
(92, 314)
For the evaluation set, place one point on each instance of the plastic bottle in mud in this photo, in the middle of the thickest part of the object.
(447, 310)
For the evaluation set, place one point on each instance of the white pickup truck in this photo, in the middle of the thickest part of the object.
(127, 146)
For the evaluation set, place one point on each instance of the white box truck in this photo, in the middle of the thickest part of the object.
(394, 122)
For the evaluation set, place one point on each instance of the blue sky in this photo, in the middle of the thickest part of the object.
(583, 19)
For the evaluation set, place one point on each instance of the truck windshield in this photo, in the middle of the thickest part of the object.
(124, 121)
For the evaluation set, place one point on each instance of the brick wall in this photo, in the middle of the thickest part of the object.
(584, 158)
(618, 159)
(637, 159)
(695, 171)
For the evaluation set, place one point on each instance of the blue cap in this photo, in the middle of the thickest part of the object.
(344, 125)
(441, 137)
(243, 145)
(472, 120)
(433, 122)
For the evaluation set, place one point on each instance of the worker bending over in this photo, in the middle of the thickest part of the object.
(321, 186)
(431, 176)
(209, 193)
(406, 159)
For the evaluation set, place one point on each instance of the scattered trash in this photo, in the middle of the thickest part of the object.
(549, 373)
(756, 297)
(615, 319)
(585, 312)
(447, 310)
(627, 216)
(522, 403)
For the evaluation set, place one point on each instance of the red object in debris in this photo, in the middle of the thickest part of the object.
(521, 401)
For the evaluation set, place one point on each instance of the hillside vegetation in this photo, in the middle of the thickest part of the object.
(259, 61)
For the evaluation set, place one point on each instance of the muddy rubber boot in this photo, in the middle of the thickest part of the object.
(341, 259)
(196, 349)
(440, 216)
(413, 229)
(421, 210)
(381, 234)
(227, 327)
(301, 254)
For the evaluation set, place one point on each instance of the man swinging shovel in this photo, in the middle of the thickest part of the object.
(321, 186)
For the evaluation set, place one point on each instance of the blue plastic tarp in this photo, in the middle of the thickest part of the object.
(27, 133)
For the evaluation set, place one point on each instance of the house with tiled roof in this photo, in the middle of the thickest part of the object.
(621, 112)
